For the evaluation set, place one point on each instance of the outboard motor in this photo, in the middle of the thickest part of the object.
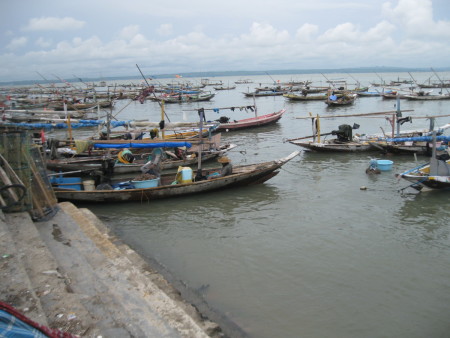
(223, 119)
(344, 133)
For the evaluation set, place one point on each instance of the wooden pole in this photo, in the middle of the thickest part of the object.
(360, 115)
(318, 128)
(201, 113)
(162, 118)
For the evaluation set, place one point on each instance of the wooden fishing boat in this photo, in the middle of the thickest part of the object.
(433, 175)
(368, 94)
(241, 176)
(429, 175)
(181, 98)
(392, 95)
(243, 81)
(419, 148)
(344, 142)
(264, 93)
(225, 88)
(334, 145)
(114, 166)
(428, 97)
(301, 97)
(81, 106)
(344, 100)
(252, 122)
(409, 142)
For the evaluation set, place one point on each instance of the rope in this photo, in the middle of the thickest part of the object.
(16, 185)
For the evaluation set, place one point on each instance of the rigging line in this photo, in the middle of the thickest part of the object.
(442, 83)
(152, 91)
(235, 107)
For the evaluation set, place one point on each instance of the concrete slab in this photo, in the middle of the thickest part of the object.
(87, 283)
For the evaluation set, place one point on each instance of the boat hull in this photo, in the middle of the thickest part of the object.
(400, 148)
(241, 176)
(431, 182)
(420, 176)
(334, 147)
(252, 122)
(121, 168)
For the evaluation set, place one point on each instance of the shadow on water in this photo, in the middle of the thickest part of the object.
(167, 211)
(427, 215)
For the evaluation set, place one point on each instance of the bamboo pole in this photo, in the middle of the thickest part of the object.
(354, 115)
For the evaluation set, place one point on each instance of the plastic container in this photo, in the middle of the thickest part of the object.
(384, 165)
(73, 183)
(184, 175)
(146, 184)
(89, 185)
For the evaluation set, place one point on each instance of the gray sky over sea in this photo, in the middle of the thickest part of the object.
(108, 38)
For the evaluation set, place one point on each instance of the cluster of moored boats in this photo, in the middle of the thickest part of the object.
(99, 160)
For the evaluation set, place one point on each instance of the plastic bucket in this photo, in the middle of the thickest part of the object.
(146, 184)
(384, 165)
(89, 185)
(184, 175)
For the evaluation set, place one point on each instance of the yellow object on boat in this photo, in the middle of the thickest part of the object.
(184, 175)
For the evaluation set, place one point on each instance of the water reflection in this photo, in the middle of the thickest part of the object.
(308, 243)
(211, 210)
(428, 216)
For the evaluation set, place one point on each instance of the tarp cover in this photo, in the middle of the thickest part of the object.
(419, 139)
(141, 145)
(15, 324)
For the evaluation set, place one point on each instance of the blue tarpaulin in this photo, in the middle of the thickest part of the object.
(419, 139)
(80, 124)
(141, 145)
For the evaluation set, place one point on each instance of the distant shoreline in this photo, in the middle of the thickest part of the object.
(239, 73)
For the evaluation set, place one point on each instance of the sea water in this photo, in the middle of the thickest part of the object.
(309, 253)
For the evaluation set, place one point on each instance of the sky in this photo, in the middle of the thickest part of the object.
(65, 39)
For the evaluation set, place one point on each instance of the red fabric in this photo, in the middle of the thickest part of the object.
(42, 136)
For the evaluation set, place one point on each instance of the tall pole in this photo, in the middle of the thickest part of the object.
(201, 114)
(148, 85)
(162, 119)
(398, 114)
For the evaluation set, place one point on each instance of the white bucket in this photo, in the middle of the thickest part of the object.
(184, 175)
(89, 185)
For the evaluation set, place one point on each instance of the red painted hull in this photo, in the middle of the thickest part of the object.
(252, 121)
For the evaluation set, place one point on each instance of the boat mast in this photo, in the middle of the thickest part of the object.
(398, 114)
(161, 104)
(201, 114)
(442, 83)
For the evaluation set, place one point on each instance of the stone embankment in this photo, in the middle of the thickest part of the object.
(70, 273)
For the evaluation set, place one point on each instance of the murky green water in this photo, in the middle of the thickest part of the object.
(307, 254)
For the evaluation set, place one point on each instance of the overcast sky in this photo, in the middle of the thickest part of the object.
(100, 38)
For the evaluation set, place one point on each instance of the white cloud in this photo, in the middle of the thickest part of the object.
(165, 29)
(400, 33)
(381, 31)
(264, 35)
(415, 17)
(129, 32)
(306, 32)
(53, 24)
(17, 43)
(346, 32)
(43, 42)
